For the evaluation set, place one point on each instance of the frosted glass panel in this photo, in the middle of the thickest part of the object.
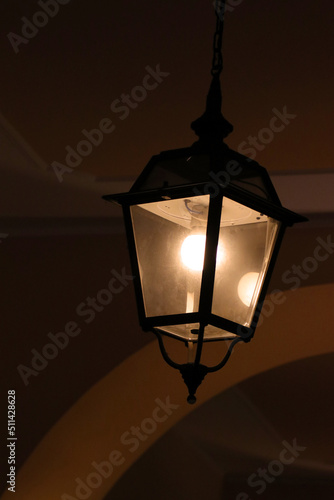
(170, 243)
(246, 241)
(185, 332)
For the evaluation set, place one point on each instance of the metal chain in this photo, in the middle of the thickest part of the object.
(217, 61)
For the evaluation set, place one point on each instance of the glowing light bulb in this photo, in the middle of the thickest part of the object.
(192, 251)
(246, 287)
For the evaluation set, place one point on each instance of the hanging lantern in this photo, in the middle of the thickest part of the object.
(204, 225)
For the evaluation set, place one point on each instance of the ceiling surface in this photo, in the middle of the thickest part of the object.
(129, 78)
(65, 78)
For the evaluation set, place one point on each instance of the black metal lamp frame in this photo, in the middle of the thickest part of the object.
(193, 373)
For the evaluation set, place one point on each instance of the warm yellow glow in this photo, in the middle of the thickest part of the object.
(246, 287)
(192, 251)
(190, 302)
